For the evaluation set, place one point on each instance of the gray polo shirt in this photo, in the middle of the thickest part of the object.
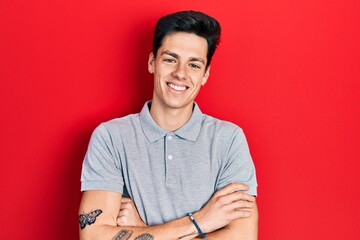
(167, 174)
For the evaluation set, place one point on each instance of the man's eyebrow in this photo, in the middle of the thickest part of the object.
(174, 55)
(191, 59)
(196, 59)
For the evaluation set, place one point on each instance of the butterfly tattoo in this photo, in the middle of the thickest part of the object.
(88, 218)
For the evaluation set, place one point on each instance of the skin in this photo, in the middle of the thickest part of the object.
(230, 214)
(179, 70)
(128, 216)
(181, 62)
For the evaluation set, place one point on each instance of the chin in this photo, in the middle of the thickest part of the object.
(177, 105)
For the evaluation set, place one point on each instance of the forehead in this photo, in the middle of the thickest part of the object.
(185, 45)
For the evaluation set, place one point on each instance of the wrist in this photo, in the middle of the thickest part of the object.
(200, 221)
(199, 230)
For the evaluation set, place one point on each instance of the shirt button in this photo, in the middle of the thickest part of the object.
(169, 137)
(170, 157)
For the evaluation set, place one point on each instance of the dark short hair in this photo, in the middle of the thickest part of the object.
(190, 22)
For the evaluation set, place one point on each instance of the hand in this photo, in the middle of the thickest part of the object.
(227, 204)
(128, 215)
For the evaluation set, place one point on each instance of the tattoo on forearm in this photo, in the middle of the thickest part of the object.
(123, 235)
(194, 232)
(88, 218)
(145, 236)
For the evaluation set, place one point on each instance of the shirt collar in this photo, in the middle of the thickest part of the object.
(190, 131)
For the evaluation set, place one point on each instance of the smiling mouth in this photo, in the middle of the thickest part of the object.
(176, 87)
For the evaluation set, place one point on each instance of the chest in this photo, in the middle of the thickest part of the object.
(172, 175)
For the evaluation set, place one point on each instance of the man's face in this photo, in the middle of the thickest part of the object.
(179, 70)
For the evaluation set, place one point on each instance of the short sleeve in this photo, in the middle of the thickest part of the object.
(239, 165)
(101, 168)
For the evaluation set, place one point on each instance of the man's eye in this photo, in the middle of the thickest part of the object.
(192, 65)
(168, 60)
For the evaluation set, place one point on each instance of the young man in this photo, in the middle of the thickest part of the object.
(188, 175)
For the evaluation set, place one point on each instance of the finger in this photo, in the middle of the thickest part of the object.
(126, 200)
(124, 212)
(121, 214)
(243, 196)
(120, 221)
(232, 187)
(233, 197)
(240, 206)
(126, 205)
(241, 214)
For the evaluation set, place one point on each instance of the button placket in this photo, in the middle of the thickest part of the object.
(169, 156)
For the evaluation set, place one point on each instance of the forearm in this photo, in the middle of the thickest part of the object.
(239, 229)
(178, 229)
(229, 234)
(98, 221)
(228, 207)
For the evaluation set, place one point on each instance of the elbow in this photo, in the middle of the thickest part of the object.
(85, 236)
(92, 233)
(88, 237)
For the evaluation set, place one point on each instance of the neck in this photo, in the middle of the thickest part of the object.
(170, 119)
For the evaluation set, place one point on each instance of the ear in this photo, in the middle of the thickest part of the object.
(151, 61)
(206, 76)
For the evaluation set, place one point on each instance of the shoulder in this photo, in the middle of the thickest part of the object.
(122, 122)
(117, 125)
(221, 127)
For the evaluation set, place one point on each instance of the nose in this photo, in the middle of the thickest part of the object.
(180, 72)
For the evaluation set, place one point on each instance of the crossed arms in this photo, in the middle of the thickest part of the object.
(230, 214)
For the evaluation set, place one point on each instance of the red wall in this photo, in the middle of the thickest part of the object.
(288, 72)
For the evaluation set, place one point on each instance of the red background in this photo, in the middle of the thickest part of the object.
(287, 72)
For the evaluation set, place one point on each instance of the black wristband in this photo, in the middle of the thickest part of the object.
(202, 235)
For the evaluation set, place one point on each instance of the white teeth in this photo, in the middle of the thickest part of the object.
(177, 88)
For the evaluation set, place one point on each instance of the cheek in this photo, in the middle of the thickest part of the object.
(162, 71)
(198, 79)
